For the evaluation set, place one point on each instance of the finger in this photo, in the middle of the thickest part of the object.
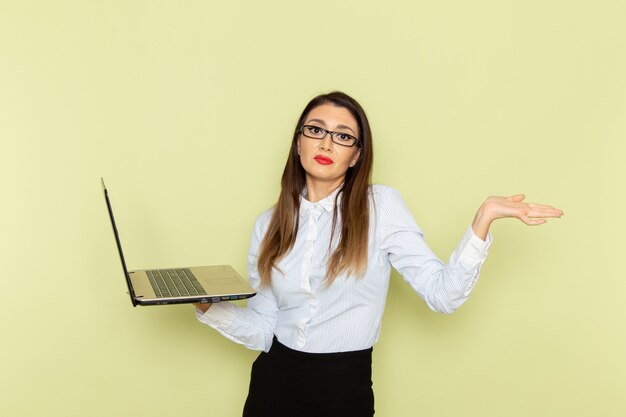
(516, 198)
(544, 213)
(532, 222)
(543, 206)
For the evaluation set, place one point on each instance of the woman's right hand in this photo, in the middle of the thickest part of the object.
(202, 306)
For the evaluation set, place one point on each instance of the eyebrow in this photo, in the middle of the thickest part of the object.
(323, 123)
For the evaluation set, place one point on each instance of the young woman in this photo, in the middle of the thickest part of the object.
(320, 260)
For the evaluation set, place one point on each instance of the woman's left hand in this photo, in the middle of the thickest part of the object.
(502, 207)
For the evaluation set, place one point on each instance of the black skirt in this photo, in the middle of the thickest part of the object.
(289, 383)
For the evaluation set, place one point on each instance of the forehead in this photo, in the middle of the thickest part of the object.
(331, 116)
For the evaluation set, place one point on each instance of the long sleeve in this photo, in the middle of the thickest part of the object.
(254, 325)
(307, 316)
(444, 287)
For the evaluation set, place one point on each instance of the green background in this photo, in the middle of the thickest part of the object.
(187, 107)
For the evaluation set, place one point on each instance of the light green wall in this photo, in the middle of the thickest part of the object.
(186, 108)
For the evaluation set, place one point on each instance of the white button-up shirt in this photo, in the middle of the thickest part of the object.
(307, 315)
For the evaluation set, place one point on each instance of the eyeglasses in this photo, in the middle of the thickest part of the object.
(340, 138)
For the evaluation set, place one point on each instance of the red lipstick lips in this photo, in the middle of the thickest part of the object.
(324, 160)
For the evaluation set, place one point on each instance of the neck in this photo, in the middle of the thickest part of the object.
(319, 190)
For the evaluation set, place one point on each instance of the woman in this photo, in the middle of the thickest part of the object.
(320, 260)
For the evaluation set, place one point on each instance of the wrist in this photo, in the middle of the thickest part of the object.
(482, 221)
(203, 307)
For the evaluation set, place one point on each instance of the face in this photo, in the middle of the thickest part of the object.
(323, 160)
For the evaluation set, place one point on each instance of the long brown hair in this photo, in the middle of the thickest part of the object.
(350, 256)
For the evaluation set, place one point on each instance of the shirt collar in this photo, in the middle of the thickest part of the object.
(327, 203)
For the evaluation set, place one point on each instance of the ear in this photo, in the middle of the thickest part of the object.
(298, 143)
(355, 158)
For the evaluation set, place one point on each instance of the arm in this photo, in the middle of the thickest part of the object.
(253, 326)
(445, 287)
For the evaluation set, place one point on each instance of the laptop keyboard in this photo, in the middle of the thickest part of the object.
(174, 283)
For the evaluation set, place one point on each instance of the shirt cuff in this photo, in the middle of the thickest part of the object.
(474, 249)
(219, 316)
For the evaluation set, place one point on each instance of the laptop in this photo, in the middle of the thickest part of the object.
(197, 284)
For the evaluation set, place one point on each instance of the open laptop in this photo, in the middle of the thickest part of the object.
(198, 284)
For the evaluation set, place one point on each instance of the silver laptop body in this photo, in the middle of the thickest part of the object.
(198, 284)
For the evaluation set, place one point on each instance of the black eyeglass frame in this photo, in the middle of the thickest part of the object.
(332, 136)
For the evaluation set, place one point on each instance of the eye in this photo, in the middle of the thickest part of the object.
(344, 137)
(314, 131)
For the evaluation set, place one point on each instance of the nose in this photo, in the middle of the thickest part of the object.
(327, 142)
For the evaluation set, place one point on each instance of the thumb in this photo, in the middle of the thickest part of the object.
(516, 198)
